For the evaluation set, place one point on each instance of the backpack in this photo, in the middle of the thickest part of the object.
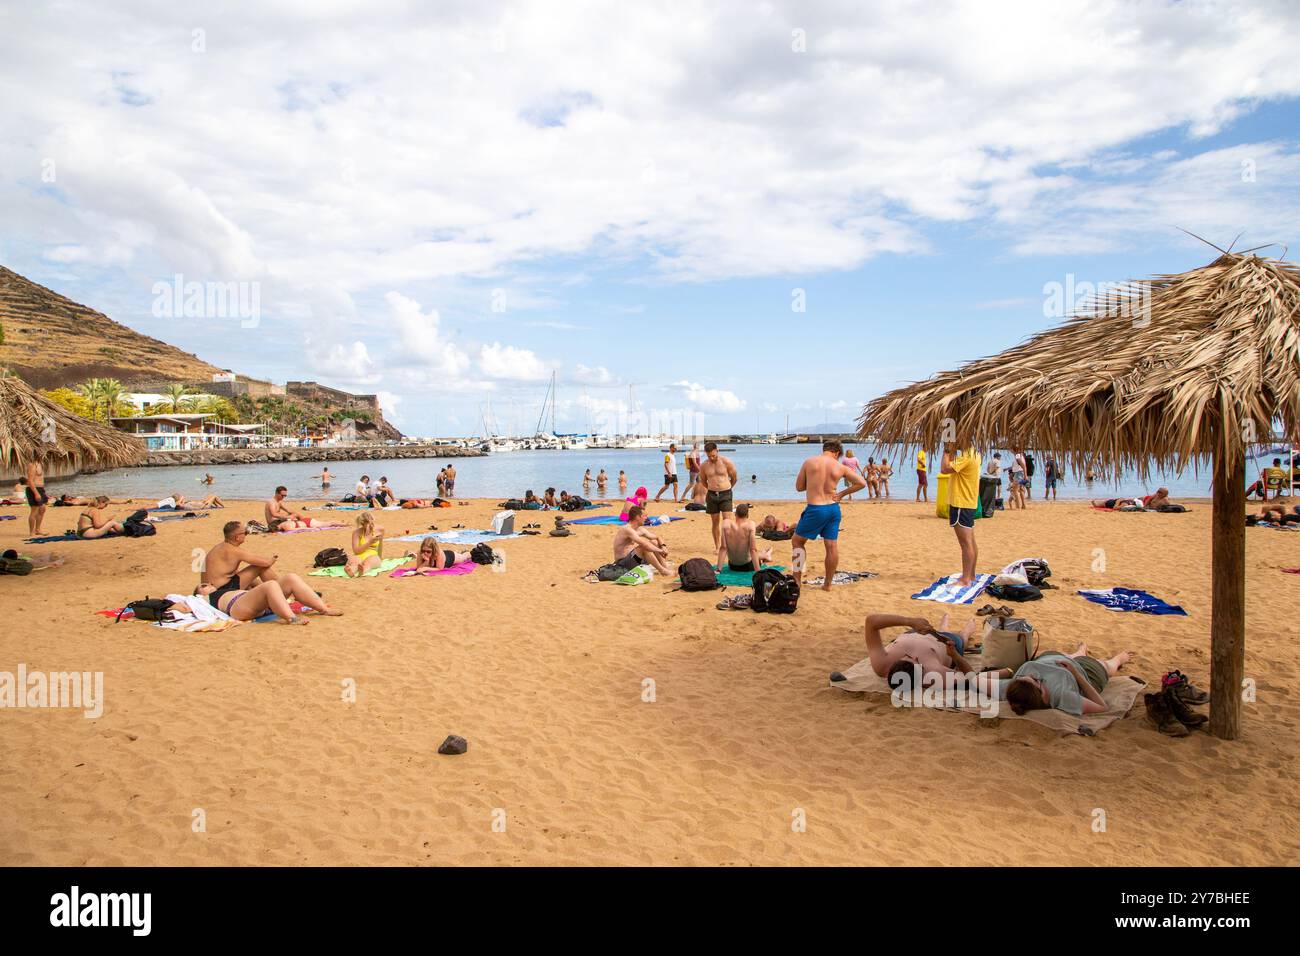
(610, 572)
(331, 558)
(770, 535)
(1171, 509)
(695, 506)
(1037, 571)
(16, 566)
(136, 527)
(481, 554)
(512, 504)
(150, 609)
(775, 592)
(1015, 592)
(697, 574)
(573, 504)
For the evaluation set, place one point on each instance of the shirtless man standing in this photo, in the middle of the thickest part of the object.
(37, 499)
(280, 517)
(450, 480)
(740, 544)
(228, 567)
(633, 545)
(818, 479)
(718, 475)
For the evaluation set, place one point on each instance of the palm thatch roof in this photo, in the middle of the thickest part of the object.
(32, 428)
(1175, 368)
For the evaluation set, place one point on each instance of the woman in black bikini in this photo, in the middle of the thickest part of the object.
(246, 605)
(431, 557)
(92, 523)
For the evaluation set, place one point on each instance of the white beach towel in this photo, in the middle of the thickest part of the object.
(201, 616)
(946, 592)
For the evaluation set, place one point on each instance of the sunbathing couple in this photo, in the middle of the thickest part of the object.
(280, 517)
(1072, 683)
(178, 502)
(1152, 502)
(1275, 514)
(244, 585)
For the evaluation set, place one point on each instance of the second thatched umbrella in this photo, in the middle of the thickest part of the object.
(33, 428)
(1169, 370)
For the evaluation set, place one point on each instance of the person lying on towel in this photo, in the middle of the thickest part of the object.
(1067, 682)
(932, 650)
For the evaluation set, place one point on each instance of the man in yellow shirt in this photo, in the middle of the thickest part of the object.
(963, 469)
(922, 482)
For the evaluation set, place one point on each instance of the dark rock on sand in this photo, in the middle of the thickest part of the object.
(454, 745)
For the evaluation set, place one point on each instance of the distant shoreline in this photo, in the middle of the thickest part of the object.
(263, 456)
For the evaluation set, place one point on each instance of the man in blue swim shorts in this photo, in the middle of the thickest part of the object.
(818, 479)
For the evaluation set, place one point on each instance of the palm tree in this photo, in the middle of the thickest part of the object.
(90, 389)
(177, 400)
(112, 394)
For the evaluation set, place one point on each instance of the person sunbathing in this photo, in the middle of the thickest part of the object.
(228, 567)
(1275, 514)
(71, 501)
(431, 556)
(280, 517)
(179, 502)
(409, 503)
(1156, 501)
(771, 524)
(1072, 683)
(634, 545)
(548, 500)
(247, 605)
(367, 546)
(531, 501)
(740, 543)
(933, 650)
(1111, 504)
(93, 523)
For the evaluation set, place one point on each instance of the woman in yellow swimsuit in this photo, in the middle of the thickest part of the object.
(367, 545)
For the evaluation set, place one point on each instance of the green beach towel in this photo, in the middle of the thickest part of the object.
(744, 579)
(385, 565)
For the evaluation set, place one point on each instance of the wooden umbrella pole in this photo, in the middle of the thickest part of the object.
(1228, 614)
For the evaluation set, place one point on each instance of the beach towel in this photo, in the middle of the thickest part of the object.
(387, 564)
(1128, 599)
(1119, 695)
(8, 517)
(348, 507)
(841, 577)
(181, 517)
(1291, 570)
(946, 592)
(222, 619)
(338, 527)
(615, 519)
(745, 579)
(465, 567)
(68, 536)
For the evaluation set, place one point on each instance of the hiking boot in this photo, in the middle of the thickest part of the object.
(1184, 689)
(1182, 713)
(1159, 714)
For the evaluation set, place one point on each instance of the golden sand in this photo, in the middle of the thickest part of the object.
(544, 675)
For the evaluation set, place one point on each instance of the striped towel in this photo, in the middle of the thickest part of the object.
(946, 592)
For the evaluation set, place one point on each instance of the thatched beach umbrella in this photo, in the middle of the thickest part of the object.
(34, 428)
(1171, 370)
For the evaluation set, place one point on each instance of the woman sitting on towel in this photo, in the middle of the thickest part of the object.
(367, 545)
(432, 557)
(1068, 682)
(267, 596)
(637, 499)
(93, 524)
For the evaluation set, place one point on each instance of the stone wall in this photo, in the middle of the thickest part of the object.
(248, 456)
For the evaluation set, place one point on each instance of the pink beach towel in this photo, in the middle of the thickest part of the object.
(465, 567)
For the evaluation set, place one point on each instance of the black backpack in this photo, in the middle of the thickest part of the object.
(1037, 571)
(512, 504)
(481, 554)
(136, 527)
(331, 558)
(1014, 592)
(775, 592)
(610, 572)
(150, 609)
(573, 504)
(697, 574)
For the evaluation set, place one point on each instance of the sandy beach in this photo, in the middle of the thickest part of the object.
(543, 674)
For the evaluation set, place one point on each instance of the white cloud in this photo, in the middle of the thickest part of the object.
(420, 342)
(599, 375)
(508, 362)
(389, 401)
(349, 364)
(711, 399)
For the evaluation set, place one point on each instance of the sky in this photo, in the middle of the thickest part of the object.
(733, 214)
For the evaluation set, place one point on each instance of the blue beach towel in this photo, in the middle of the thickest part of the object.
(945, 592)
(469, 536)
(51, 539)
(615, 519)
(1128, 599)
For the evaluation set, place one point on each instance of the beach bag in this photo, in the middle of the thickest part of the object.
(775, 592)
(349, 498)
(573, 504)
(1171, 509)
(697, 574)
(512, 504)
(481, 554)
(610, 572)
(503, 522)
(1014, 592)
(1037, 571)
(16, 566)
(641, 574)
(776, 535)
(150, 609)
(331, 558)
(695, 506)
(136, 527)
(1008, 642)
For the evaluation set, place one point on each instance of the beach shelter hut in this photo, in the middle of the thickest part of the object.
(34, 428)
(1168, 372)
